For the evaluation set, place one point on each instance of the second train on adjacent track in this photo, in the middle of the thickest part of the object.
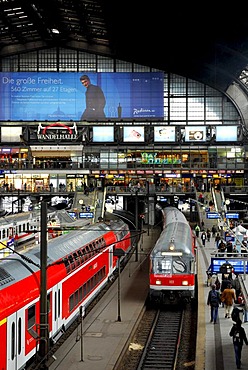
(172, 275)
(79, 265)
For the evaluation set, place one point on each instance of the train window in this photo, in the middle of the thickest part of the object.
(13, 341)
(19, 336)
(31, 316)
(84, 289)
(67, 264)
(80, 294)
(71, 303)
(59, 307)
(87, 250)
(83, 255)
(4, 233)
(71, 260)
(55, 306)
(80, 256)
(76, 298)
(76, 259)
(48, 302)
(20, 229)
(179, 266)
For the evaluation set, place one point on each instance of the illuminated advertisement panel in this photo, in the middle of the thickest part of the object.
(164, 133)
(77, 96)
(103, 134)
(226, 133)
(133, 134)
(195, 133)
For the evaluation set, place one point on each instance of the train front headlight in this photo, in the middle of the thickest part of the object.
(158, 282)
(185, 282)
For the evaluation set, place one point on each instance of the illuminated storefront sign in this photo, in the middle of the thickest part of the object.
(57, 131)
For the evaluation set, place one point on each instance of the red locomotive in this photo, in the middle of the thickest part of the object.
(173, 260)
(79, 264)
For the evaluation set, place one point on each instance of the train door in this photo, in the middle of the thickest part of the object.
(57, 308)
(111, 259)
(16, 340)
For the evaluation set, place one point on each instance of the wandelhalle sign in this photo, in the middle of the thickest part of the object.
(57, 132)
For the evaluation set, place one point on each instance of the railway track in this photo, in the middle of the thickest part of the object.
(164, 339)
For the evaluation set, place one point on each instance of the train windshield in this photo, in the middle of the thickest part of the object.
(169, 265)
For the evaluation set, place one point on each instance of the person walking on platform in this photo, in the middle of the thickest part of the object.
(238, 334)
(214, 231)
(208, 235)
(228, 297)
(217, 240)
(197, 230)
(203, 238)
(214, 302)
(236, 285)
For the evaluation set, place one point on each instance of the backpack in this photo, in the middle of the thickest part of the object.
(214, 301)
(236, 336)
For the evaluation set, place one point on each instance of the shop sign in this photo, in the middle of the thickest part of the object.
(57, 131)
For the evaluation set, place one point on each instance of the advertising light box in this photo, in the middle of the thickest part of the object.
(66, 96)
(103, 134)
(195, 133)
(133, 134)
(226, 133)
(164, 133)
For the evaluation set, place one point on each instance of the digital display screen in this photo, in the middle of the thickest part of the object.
(226, 133)
(195, 133)
(238, 265)
(66, 96)
(86, 214)
(103, 134)
(164, 133)
(133, 134)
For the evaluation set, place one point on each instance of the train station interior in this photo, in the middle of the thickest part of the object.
(114, 107)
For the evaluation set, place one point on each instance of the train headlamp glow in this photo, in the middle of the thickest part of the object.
(171, 246)
(158, 282)
(171, 253)
(185, 282)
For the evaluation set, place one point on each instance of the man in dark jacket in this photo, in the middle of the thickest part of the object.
(239, 337)
(214, 302)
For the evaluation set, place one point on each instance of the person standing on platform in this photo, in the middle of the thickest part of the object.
(239, 338)
(214, 302)
(228, 297)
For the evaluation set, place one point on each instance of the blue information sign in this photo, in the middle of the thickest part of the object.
(86, 215)
(238, 265)
(232, 215)
(213, 215)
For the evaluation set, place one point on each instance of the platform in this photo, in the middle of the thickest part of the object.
(214, 345)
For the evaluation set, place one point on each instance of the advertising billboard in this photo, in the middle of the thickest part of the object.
(80, 96)
(103, 134)
(226, 133)
(164, 133)
(133, 134)
(195, 133)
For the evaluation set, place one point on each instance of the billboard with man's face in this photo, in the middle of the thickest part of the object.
(64, 96)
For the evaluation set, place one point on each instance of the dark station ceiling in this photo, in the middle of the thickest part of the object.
(206, 41)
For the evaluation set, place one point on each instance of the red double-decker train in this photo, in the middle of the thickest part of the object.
(172, 275)
(79, 264)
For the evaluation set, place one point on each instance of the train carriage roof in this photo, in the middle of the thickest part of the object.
(177, 231)
(11, 270)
